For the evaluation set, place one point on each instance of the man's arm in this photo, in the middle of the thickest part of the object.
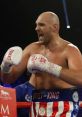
(15, 70)
(73, 74)
(72, 77)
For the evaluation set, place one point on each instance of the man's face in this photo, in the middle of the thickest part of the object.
(43, 29)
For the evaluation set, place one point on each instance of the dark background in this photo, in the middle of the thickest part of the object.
(18, 21)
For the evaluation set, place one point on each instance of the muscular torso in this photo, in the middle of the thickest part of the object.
(44, 80)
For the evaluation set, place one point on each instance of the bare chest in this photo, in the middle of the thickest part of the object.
(57, 57)
(45, 80)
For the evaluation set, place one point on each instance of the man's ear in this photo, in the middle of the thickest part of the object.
(55, 27)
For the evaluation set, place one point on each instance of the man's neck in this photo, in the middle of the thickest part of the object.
(54, 43)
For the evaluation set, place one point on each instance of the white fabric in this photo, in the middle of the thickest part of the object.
(38, 62)
(13, 56)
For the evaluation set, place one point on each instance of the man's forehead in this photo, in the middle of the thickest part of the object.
(43, 18)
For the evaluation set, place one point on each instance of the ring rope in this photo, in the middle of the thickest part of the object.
(28, 104)
(24, 104)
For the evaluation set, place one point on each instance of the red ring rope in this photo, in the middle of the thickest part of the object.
(28, 104)
(24, 104)
(80, 104)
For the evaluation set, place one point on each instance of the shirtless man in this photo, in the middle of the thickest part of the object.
(53, 61)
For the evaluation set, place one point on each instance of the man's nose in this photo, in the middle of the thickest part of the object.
(37, 28)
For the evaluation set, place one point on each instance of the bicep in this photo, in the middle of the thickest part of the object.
(74, 59)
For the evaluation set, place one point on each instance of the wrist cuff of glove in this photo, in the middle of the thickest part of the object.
(6, 68)
(56, 69)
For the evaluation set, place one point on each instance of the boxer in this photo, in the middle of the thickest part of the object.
(54, 63)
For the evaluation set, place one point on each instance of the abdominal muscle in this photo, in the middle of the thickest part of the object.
(47, 81)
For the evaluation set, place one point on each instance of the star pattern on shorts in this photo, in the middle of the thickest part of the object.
(76, 106)
(74, 115)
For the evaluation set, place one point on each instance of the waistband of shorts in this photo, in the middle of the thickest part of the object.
(69, 94)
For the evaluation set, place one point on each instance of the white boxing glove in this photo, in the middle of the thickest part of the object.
(38, 62)
(13, 56)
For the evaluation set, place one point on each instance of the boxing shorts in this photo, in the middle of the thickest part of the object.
(55, 103)
(23, 94)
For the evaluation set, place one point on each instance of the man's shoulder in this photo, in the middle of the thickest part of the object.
(71, 46)
(36, 43)
(33, 45)
(71, 49)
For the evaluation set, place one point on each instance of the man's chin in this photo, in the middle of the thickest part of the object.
(41, 39)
